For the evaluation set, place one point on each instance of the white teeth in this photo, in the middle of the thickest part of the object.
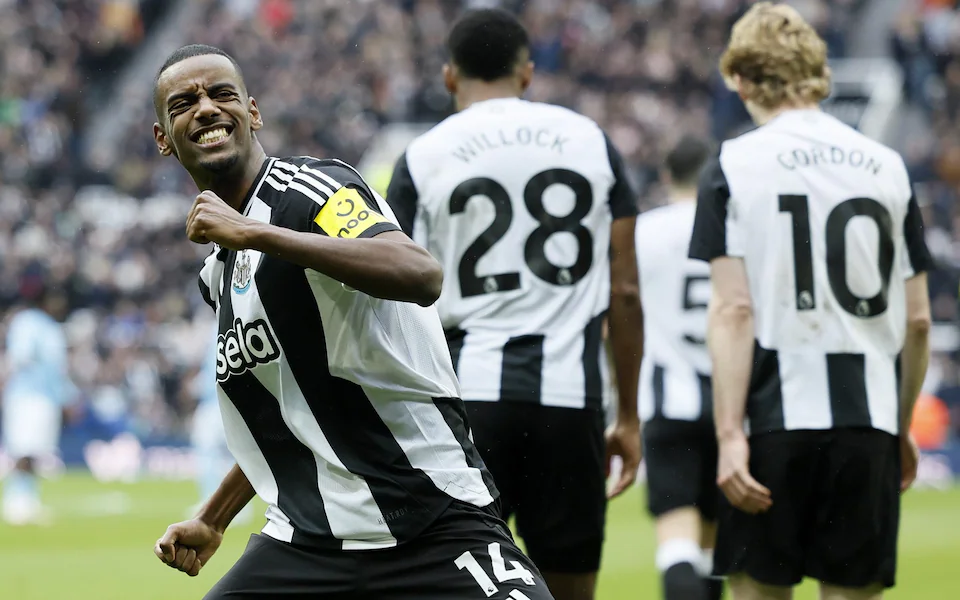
(213, 136)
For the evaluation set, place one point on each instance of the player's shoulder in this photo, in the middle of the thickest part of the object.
(332, 170)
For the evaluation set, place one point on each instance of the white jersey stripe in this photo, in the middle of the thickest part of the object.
(883, 392)
(312, 181)
(295, 185)
(243, 446)
(805, 389)
(269, 179)
(323, 178)
(292, 169)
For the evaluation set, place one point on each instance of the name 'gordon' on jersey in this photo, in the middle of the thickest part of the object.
(516, 199)
(341, 409)
(828, 227)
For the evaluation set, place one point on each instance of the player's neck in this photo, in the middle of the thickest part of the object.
(762, 116)
(232, 185)
(472, 92)
(680, 194)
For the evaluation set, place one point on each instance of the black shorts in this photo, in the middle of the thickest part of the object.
(681, 460)
(835, 512)
(467, 553)
(548, 464)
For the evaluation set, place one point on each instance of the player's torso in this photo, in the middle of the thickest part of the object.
(328, 392)
(821, 228)
(675, 291)
(514, 197)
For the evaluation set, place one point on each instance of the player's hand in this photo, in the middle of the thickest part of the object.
(909, 459)
(212, 220)
(623, 440)
(188, 546)
(734, 479)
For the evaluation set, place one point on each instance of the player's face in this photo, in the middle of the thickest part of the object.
(208, 119)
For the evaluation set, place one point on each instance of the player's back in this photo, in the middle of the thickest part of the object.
(827, 225)
(514, 199)
(674, 291)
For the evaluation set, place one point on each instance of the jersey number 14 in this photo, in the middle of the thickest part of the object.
(534, 253)
(836, 241)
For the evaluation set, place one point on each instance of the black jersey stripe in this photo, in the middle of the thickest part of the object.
(521, 375)
(592, 378)
(455, 415)
(847, 381)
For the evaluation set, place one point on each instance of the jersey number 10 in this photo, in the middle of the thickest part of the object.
(534, 249)
(836, 240)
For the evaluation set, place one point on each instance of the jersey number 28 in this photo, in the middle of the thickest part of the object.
(534, 249)
(836, 239)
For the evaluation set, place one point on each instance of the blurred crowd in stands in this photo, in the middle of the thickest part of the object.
(327, 75)
(925, 41)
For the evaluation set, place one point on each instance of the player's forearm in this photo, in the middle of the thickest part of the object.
(626, 342)
(388, 266)
(913, 370)
(730, 339)
(234, 493)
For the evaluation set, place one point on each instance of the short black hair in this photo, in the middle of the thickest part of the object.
(183, 53)
(486, 43)
(686, 159)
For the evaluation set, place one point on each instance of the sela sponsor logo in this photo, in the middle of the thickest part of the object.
(244, 347)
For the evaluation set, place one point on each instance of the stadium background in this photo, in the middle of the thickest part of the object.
(87, 204)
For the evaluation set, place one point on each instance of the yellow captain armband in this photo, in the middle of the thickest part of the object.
(346, 215)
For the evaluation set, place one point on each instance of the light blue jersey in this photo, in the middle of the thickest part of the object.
(37, 358)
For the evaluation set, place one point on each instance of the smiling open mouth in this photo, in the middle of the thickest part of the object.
(213, 137)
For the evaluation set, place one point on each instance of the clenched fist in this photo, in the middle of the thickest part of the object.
(187, 546)
(213, 220)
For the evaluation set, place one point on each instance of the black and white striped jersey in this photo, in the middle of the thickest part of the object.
(516, 199)
(828, 228)
(674, 292)
(342, 409)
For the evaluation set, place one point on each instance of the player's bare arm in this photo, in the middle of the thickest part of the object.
(913, 365)
(626, 340)
(389, 265)
(730, 339)
(189, 545)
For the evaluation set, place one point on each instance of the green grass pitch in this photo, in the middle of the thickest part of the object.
(99, 546)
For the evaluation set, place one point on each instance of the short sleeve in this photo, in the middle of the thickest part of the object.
(709, 238)
(402, 195)
(210, 274)
(623, 198)
(340, 204)
(917, 254)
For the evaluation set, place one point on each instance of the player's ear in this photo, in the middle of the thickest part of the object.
(526, 75)
(256, 119)
(450, 77)
(738, 83)
(163, 143)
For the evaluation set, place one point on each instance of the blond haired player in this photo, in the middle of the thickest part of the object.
(818, 283)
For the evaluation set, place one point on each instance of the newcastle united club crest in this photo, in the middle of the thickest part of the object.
(241, 272)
